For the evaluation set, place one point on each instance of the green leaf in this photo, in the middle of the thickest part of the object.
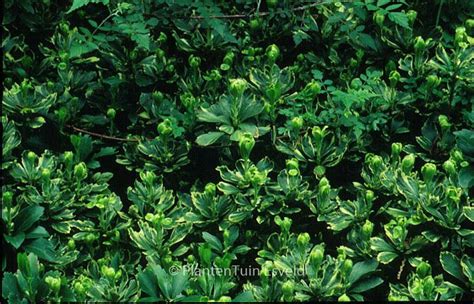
(386, 257)
(451, 265)
(180, 283)
(362, 268)
(43, 248)
(366, 284)
(10, 287)
(381, 3)
(239, 216)
(213, 241)
(15, 240)
(227, 188)
(468, 212)
(164, 281)
(245, 296)
(148, 282)
(466, 177)
(400, 19)
(27, 217)
(208, 138)
(467, 264)
(77, 4)
(379, 244)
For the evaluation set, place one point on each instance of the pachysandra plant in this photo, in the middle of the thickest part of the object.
(237, 151)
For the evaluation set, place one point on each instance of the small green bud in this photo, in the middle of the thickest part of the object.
(444, 122)
(238, 86)
(255, 24)
(149, 217)
(303, 239)
(375, 162)
(229, 58)
(379, 18)
(469, 24)
(111, 113)
(167, 259)
(347, 266)
(80, 171)
(297, 122)
(215, 75)
(323, 182)
(394, 77)
(162, 38)
(344, 298)
(428, 170)
(313, 87)
(353, 63)
(224, 67)
(194, 61)
(411, 15)
(45, 173)
(246, 144)
(62, 66)
(433, 81)
(292, 163)
(272, 52)
(367, 228)
(164, 127)
(293, 172)
(210, 189)
(91, 237)
(407, 163)
(53, 283)
(457, 156)
(167, 222)
(419, 44)
(31, 156)
(317, 255)
(170, 68)
(356, 83)
(272, 3)
(369, 196)
(225, 299)
(157, 96)
(396, 149)
(7, 197)
(68, 157)
(79, 288)
(108, 272)
(450, 167)
(319, 171)
(288, 288)
(160, 53)
(423, 269)
(71, 244)
(286, 224)
(460, 35)
(454, 194)
(191, 259)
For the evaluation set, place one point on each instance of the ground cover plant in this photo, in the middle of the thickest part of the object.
(247, 150)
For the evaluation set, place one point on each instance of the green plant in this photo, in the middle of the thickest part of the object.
(237, 151)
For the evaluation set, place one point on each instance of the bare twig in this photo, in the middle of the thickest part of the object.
(102, 135)
(260, 14)
(399, 274)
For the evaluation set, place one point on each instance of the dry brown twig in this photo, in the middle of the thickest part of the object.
(260, 14)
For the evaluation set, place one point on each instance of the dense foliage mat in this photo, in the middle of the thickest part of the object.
(237, 150)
